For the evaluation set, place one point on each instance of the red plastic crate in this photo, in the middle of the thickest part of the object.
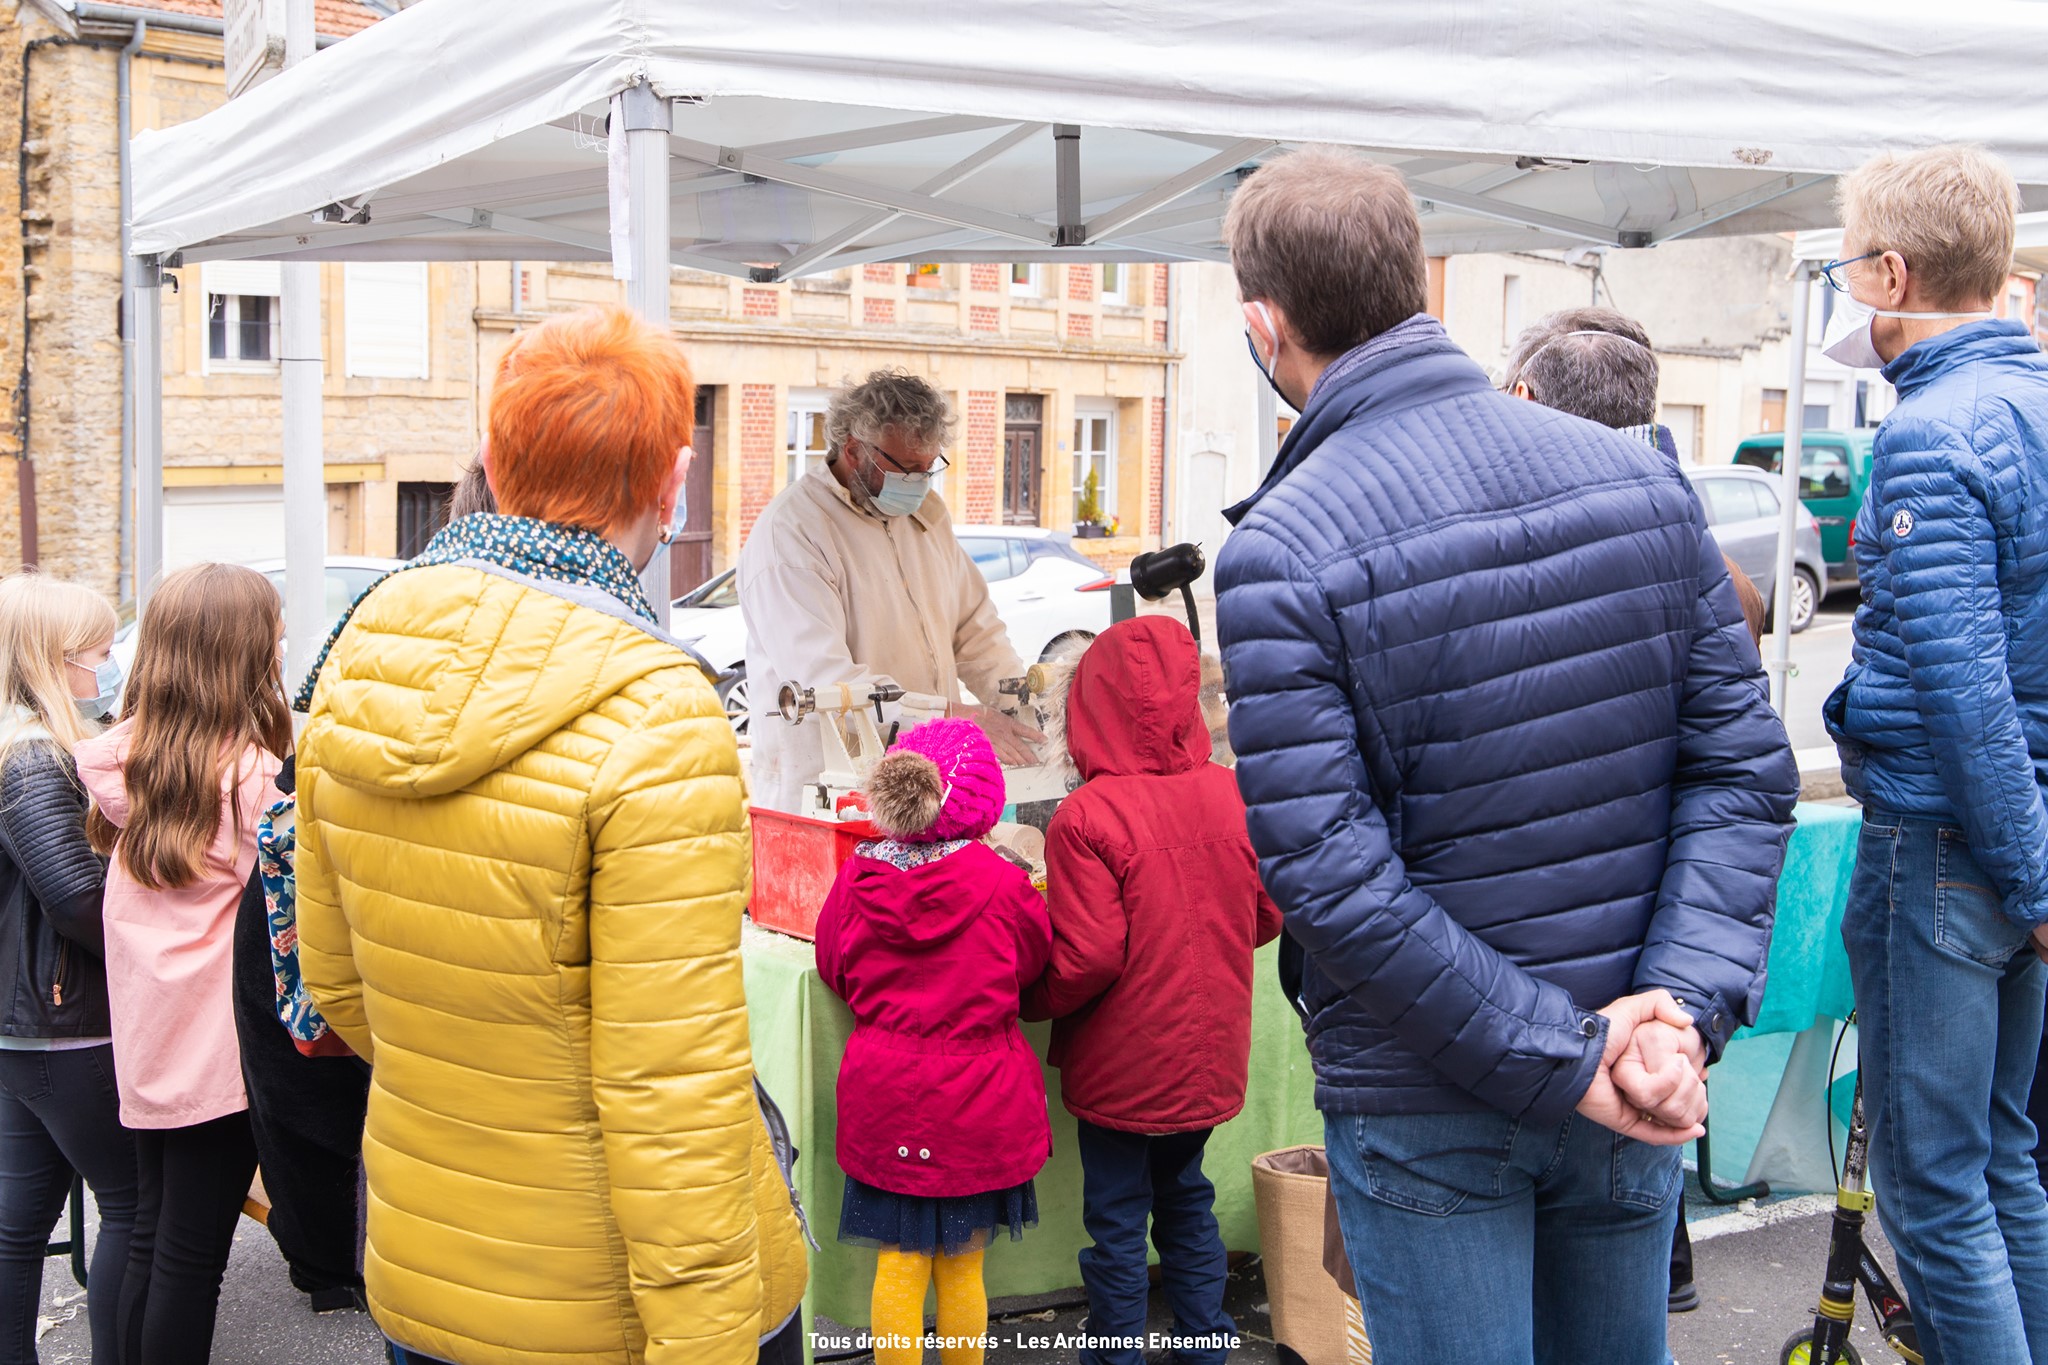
(796, 860)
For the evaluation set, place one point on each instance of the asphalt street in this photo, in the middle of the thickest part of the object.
(1758, 1271)
(1820, 654)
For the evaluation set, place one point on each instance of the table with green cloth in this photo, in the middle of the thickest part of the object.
(1770, 1094)
(800, 1030)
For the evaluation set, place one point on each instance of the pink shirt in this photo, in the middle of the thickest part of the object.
(170, 954)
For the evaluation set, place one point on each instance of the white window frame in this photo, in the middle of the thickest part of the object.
(2016, 303)
(1120, 292)
(803, 404)
(1087, 411)
(356, 367)
(232, 305)
(231, 282)
(1032, 286)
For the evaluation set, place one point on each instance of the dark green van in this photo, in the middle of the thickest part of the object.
(1834, 469)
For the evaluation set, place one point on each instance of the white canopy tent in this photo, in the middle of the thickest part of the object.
(812, 136)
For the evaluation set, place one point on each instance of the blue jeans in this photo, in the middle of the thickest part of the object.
(1484, 1238)
(1125, 1179)
(1949, 1006)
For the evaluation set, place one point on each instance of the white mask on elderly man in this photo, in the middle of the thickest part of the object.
(1847, 340)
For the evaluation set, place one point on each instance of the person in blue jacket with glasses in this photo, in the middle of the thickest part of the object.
(1942, 724)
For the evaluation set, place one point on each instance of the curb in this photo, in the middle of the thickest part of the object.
(1820, 775)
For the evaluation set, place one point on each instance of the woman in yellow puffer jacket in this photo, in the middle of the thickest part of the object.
(523, 853)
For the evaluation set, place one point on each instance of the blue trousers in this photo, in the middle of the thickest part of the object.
(1478, 1237)
(1949, 1012)
(1126, 1179)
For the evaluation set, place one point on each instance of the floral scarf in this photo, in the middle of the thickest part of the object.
(903, 855)
(538, 549)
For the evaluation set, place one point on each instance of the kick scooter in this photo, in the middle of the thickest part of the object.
(1850, 1263)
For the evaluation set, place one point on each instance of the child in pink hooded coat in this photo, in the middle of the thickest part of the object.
(931, 937)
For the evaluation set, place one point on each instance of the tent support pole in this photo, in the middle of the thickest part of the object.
(1788, 491)
(648, 122)
(145, 311)
(1066, 146)
(305, 476)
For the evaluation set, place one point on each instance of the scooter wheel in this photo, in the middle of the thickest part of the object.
(1799, 1350)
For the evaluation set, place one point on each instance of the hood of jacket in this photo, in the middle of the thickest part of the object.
(1926, 361)
(918, 907)
(101, 761)
(447, 673)
(1132, 705)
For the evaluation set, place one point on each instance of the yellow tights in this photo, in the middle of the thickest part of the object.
(897, 1311)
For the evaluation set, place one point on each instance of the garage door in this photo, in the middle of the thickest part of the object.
(232, 524)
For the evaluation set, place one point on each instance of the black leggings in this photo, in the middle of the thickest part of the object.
(192, 1183)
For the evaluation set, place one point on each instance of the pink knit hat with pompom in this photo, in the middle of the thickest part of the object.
(971, 793)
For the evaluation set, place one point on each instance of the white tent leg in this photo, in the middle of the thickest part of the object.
(648, 123)
(145, 309)
(305, 476)
(305, 479)
(1788, 494)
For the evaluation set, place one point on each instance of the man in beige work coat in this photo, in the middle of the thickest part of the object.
(852, 575)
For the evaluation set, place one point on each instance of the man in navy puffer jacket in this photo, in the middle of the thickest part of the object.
(1942, 723)
(1513, 777)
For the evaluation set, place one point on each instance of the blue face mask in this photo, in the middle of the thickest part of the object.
(681, 519)
(902, 494)
(107, 677)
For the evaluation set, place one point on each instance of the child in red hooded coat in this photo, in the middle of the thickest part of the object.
(930, 937)
(1156, 908)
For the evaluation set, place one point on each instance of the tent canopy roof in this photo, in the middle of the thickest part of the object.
(813, 135)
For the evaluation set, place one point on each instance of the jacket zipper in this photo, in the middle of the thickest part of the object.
(57, 986)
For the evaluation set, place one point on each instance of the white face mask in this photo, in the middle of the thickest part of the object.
(1847, 338)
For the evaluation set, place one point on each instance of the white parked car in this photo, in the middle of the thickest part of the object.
(348, 577)
(1046, 591)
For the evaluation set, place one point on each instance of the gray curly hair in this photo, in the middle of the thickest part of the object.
(885, 400)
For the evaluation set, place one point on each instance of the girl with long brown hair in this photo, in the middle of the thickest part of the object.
(177, 788)
(58, 1107)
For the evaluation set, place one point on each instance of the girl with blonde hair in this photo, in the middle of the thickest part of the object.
(177, 788)
(58, 1110)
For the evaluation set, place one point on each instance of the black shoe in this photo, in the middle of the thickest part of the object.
(342, 1299)
(1684, 1298)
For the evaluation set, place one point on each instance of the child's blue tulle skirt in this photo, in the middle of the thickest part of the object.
(951, 1224)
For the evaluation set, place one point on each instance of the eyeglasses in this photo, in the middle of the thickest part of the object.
(935, 468)
(1836, 273)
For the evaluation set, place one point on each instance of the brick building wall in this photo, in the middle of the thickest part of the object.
(758, 450)
(982, 449)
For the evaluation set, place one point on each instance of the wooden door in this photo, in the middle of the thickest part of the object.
(1023, 476)
(1023, 459)
(689, 556)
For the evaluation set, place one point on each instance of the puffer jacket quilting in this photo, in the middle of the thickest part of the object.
(523, 853)
(1502, 736)
(1943, 714)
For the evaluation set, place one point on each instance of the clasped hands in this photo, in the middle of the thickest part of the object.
(1652, 1082)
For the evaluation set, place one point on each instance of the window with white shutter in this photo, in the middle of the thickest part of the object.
(241, 314)
(385, 313)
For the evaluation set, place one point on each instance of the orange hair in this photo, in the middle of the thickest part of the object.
(587, 415)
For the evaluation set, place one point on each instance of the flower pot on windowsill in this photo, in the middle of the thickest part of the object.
(1089, 530)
